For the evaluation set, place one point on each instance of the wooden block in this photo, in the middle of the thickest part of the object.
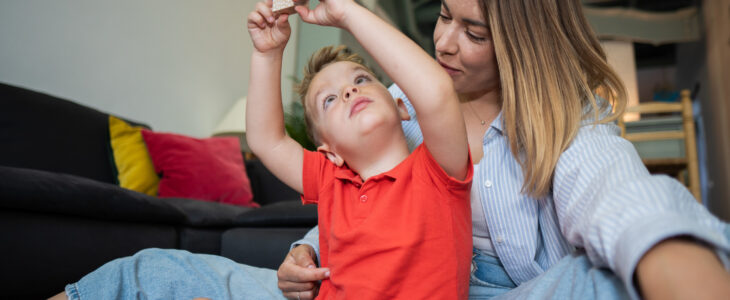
(286, 6)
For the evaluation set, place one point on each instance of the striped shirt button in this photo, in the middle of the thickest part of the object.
(488, 183)
(500, 239)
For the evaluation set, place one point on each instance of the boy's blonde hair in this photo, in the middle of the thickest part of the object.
(320, 59)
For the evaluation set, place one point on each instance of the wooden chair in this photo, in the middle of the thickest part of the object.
(676, 165)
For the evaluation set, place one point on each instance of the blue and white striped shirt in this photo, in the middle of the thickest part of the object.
(603, 200)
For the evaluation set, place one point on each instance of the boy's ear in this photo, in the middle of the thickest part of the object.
(402, 109)
(333, 157)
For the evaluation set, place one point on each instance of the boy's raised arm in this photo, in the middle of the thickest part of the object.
(265, 131)
(421, 78)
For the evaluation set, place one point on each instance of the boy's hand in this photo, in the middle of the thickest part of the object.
(326, 13)
(268, 32)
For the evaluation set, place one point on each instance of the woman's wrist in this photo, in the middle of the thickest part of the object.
(681, 268)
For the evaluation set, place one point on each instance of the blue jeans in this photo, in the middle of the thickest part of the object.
(177, 274)
(573, 277)
(488, 277)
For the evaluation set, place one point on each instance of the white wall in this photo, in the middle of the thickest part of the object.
(311, 39)
(177, 65)
(620, 56)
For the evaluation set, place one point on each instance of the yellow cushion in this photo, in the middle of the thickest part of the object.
(133, 162)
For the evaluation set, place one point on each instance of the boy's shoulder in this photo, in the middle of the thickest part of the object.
(422, 165)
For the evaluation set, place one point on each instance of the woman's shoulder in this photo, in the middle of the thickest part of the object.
(396, 92)
(411, 128)
(593, 125)
(599, 143)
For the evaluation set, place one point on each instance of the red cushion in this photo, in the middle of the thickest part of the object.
(209, 169)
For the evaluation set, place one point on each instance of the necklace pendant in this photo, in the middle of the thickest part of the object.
(483, 123)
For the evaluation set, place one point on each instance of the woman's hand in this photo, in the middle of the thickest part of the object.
(326, 13)
(682, 269)
(298, 275)
(267, 31)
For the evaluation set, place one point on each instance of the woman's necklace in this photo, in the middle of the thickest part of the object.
(477, 115)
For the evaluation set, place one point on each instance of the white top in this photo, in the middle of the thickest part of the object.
(479, 228)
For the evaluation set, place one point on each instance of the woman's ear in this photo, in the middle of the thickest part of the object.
(333, 157)
(402, 109)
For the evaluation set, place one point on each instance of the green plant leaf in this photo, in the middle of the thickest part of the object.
(296, 127)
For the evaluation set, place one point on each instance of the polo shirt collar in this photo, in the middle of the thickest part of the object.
(346, 174)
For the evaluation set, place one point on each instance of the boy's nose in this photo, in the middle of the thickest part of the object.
(350, 92)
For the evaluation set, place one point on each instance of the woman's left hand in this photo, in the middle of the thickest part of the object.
(680, 268)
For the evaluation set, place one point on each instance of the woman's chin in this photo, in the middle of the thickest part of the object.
(463, 87)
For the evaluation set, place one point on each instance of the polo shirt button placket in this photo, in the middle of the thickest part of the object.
(364, 198)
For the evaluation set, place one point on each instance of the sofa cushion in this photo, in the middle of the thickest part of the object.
(134, 167)
(283, 213)
(260, 247)
(267, 189)
(43, 132)
(209, 169)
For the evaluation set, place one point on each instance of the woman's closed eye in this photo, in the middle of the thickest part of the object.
(475, 37)
(444, 17)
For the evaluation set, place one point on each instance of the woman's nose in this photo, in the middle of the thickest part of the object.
(446, 42)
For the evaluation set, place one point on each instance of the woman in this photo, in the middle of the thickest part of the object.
(553, 175)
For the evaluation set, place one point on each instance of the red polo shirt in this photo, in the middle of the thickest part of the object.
(403, 234)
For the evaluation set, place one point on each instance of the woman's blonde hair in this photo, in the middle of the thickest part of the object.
(551, 65)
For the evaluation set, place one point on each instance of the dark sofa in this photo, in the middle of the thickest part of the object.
(62, 215)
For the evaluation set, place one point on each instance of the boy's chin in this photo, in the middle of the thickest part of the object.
(370, 124)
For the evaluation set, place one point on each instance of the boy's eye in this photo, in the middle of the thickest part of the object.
(361, 79)
(327, 101)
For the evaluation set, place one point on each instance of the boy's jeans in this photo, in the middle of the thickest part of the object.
(175, 274)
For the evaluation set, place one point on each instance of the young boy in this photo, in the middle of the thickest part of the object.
(393, 225)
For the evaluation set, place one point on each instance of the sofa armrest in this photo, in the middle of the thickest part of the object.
(57, 193)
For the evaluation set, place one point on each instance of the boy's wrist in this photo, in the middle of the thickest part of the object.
(351, 12)
(271, 54)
